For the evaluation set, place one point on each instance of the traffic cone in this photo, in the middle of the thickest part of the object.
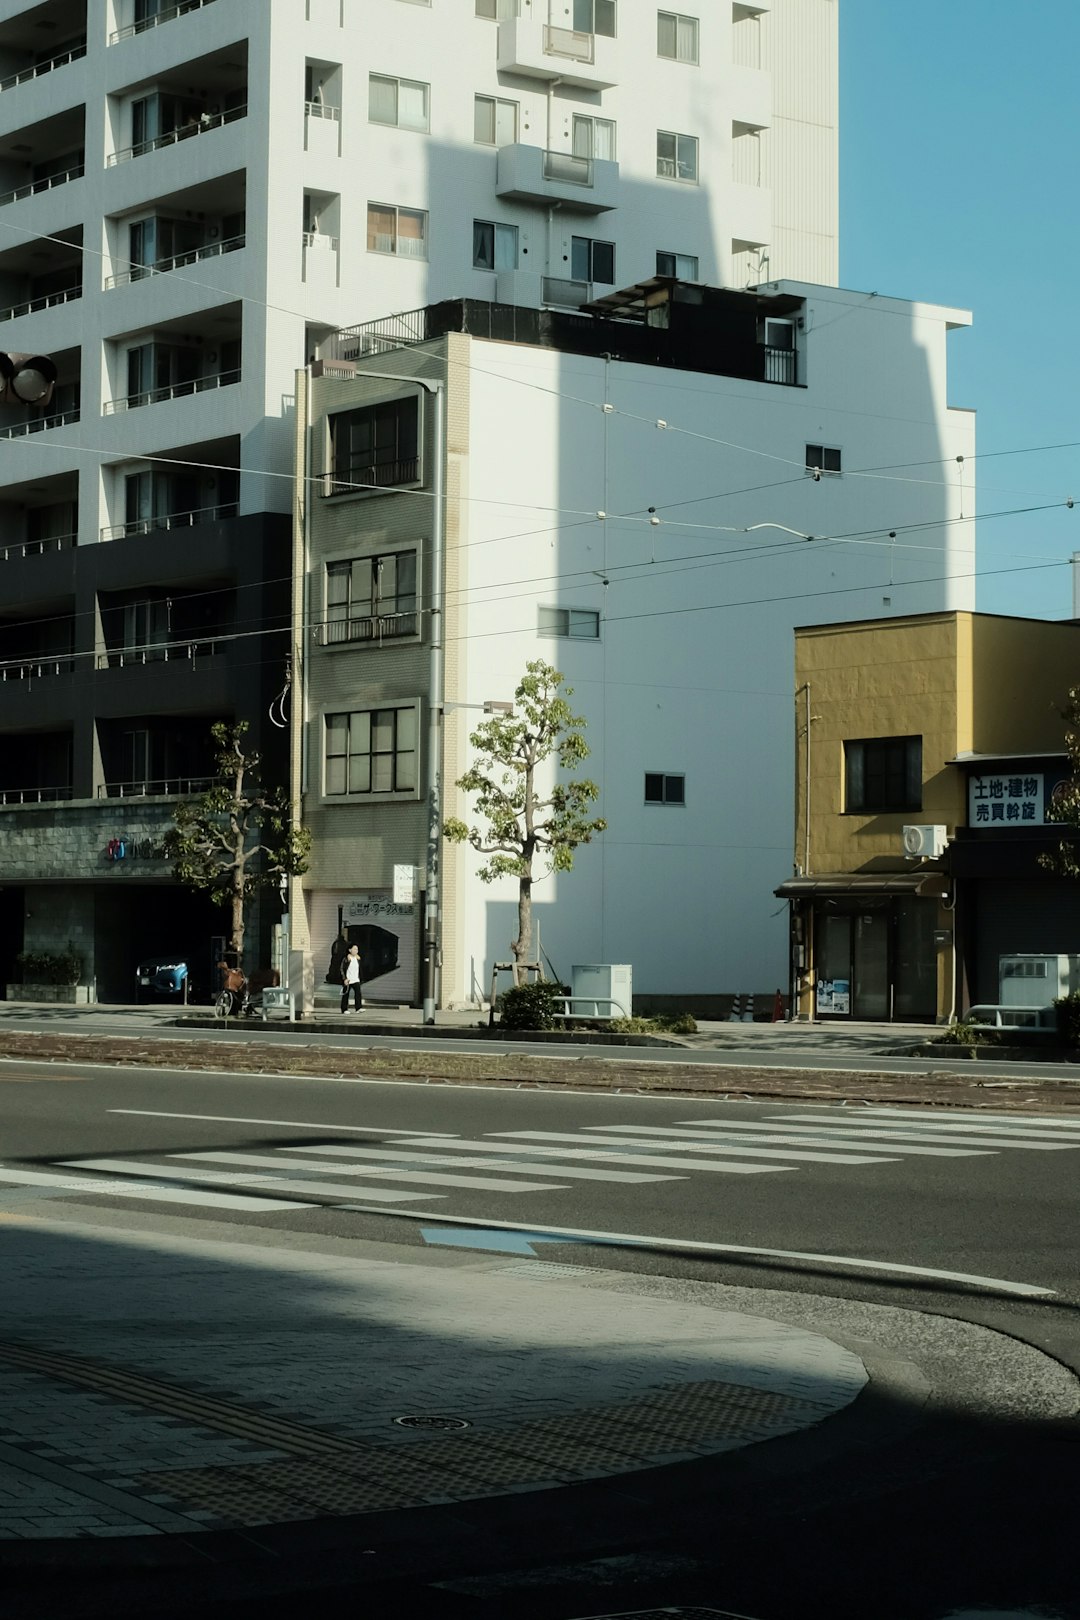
(778, 1008)
(735, 1015)
(748, 1010)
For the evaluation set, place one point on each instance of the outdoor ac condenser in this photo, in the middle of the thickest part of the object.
(926, 841)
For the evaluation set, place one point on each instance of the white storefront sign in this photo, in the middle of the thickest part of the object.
(1000, 800)
(404, 885)
(385, 930)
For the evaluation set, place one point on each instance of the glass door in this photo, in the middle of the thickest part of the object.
(871, 977)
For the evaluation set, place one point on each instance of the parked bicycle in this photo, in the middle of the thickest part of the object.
(239, 996)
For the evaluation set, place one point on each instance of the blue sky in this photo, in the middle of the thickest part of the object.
(959, 149)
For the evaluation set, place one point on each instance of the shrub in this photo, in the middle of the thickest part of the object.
(1067, 1009)
(661, 1024)
(530, 1006)
(49, 967)
(961, 1033)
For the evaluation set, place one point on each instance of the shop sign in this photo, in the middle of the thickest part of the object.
(1006, 800)
(361, 908)
(124, 848)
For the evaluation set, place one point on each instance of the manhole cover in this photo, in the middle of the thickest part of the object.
(432, 1421)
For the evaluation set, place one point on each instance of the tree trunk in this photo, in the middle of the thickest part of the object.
(237, 940)
(523, 944)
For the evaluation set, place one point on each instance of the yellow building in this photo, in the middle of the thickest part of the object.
(927, 751)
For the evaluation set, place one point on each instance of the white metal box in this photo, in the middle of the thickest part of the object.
(602, 984)
(1036, 981)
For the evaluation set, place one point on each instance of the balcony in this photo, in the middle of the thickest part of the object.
(378, 628)
(35, 795)
(31, 306)
(40, 423)
(37, 548)
(176, 390)
(166, 521)
(174, 261)
(70, 168)
(528, 174)
(73, 53)
(536, 50)
(365, 479)
(195, 124)
(563, 293)
(36, 669)
(158, 787)
(155, 16)
(161, 652)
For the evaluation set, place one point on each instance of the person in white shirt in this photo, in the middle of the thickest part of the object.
(350, 980)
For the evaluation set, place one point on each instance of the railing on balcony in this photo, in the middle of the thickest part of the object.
(46, 301)
(167, 15)
(171, 787)
(565, 293)
(568, 168)
(356, 480)
(781, 366)
(159, 652)
(38, 424)
(154, 396)
(46, 184)
(184, 132)
(316, 239)
(37, 548)
(35, 795)
(171, 520)
(35, 669)
(569, 42)
(321, 109)
(381, 627)
(377, 337)
(176, 261)
(35, 72)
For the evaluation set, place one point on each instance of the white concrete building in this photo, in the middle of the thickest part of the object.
(649, 495)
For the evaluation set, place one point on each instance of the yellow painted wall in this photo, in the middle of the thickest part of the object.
(1022, 670)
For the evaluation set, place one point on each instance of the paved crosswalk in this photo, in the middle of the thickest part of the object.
(402, 1168)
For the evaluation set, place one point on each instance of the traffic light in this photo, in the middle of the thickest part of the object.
(26, 379)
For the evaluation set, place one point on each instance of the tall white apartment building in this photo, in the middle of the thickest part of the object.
(193, 196)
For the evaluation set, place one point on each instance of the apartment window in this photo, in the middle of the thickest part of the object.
(402, 231)
(883, 774)
(402, 102)
(594, 137)
(579, 624)
(375, 445)
(497, 9)
(592, 261)
(683, 265)
(595, 17)
(495, 121)
(663, 789)
(823, 458)
(676, 156)
(676, 37)
(370, 598)
(371, 751)
(495, 247)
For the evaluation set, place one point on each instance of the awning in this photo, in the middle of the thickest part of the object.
(865, 883)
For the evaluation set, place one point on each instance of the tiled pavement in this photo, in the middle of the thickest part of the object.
(154, 1384)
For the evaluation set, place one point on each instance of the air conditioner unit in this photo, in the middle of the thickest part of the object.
(333, 368)
(928, 842)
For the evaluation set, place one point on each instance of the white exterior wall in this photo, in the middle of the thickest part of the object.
(693, 671)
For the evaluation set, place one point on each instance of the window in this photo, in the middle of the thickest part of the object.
(883, 773)
(676, 37)
(494, 247)
(403, 102)
(592, 261)
(371, 751)
(822, 458)
(369, 598)
(594, 17)
(397, 230)
(376, 445)
(495, 122)
(683, 265)
(594, 137)
(676, 156)
(580, 624)
(661, 789)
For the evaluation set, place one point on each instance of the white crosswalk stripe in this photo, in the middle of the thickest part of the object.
(500, 1161)
(169, 1172)
(807, 1135)
(949, 1131)
(684, 1146)
(402, 1173)
(593, 1149)
(54, 1183)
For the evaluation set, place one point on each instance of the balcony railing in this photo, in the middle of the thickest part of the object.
(381, 627)
(183, 132)
(176, 261)
(781, 366)
(46, 301)
(565, 293)
(74, 173)
(171, 787)
(321, 109)
(171, 520)
(36, 669)
(37, 548)
(316, 239)
(35, 795)
(356, 480)
(569, 42)
(39, 68)
(568, 168)
(154, 396)
(377, 337)
(38, 424)
(167, 15)
(160, 652)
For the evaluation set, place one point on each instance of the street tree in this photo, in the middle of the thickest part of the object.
(521, 825)
(238, 837)
(1064, 807)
